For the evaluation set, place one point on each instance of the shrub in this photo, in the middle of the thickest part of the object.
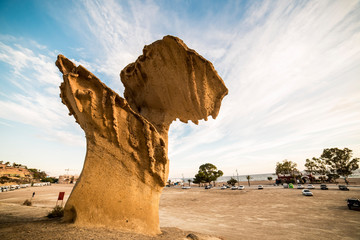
(27, 202)
(57, 212)
(232, 181)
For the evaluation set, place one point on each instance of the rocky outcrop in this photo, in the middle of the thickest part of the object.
(126, 164)
(171, 81)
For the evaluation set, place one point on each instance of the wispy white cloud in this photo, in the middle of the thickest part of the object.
(114, 33)
(291, 67)
(292, 72)
(35, 100)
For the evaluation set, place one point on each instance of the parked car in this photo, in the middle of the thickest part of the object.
(307, 192)
(260, 187)
(241, 187)
(208, 187)
(353, 203)
(299, 186)
(285, 185)
(5, 188)
(310, 186)
(343, 187)
(233, 188)
(323, 187)
(186, 187)
(223, 188)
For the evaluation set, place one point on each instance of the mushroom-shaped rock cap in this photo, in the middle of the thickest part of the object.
(171, 81)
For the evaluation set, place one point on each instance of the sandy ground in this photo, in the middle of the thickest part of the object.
(271, 213)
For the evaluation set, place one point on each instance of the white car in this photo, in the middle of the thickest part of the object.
(307, 192)
(233, 188)
(223, 187)
(310, 186)
(186, 187)
(260, 187)
(241, 187)
(299, 186)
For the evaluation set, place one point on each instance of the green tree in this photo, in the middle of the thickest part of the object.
(207, 173)
(316, 166)
(232, 181)
(189, 180)
(321, 169)
(269, 178)
(248, 177)
(340, 162)
(49, 179)
(311, 166)
(199, 178)
(37, 174)
(286, 167)
(4, 179)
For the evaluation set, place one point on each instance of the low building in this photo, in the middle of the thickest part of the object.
(68, 179)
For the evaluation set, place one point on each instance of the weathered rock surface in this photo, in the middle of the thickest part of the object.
(126, 164)
(171, 81)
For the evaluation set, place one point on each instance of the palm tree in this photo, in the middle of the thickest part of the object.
(189, 180)
(248, 178)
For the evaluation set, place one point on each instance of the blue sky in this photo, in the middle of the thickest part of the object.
(292, 69)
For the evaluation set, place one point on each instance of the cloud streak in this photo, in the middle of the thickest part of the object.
(34, 99)
(292, 73)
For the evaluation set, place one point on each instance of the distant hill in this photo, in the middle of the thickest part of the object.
(18, 173)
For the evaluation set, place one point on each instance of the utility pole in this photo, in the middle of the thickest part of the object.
(237, 174)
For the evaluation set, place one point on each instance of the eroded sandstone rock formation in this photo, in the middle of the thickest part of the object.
(171, 81)
(126, 164)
